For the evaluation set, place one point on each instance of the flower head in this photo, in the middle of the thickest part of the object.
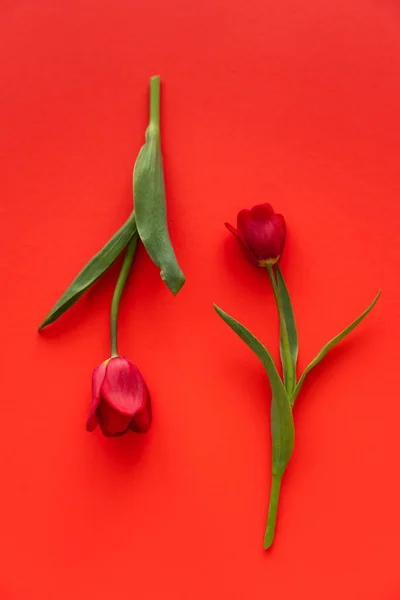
(261, 234)
(120, 400)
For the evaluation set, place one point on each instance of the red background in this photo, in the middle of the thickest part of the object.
(289, 101)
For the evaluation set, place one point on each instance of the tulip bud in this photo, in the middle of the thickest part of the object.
(120, 400)
(261, 234)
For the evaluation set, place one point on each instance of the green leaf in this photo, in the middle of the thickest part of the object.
(282, 426)
(288, 316)
(329, 346)
(93, 270)
(150, 201)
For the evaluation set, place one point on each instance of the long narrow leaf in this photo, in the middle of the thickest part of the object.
(324, 351)
(150, 201)
(290, 327)
(282, 426)
(93, 270)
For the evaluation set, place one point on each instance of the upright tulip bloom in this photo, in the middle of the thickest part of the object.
(120, 400)
(261, 234)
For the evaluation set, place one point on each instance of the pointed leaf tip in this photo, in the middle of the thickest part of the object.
(329, 345)
(94, 269)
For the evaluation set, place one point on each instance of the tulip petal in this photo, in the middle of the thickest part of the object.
(112, 422)
(280, 222)
(266, 237)
(245, 249)
(97, 380)
(246, 218)
(142, 419)
(242, 222)
(123, 387)
(261, 211)
(261, 234)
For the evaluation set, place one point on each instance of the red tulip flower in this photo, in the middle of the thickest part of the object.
(120, 400)
(261, 234)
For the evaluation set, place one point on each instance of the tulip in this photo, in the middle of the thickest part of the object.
(120, 400)
(261, 234)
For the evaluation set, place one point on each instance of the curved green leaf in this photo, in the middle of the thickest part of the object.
(282, 426)
(93, 270)
(288, 315)
(324, 351)
(150, 202)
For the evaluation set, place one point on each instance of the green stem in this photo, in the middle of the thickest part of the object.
(155, 101)
(288, 370)
(272, 511)
(126, 266)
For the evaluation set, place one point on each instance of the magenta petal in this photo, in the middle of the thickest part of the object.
(261, 239)
(280, 225)
(243, 219)
(123, 387)
(142, 420)
(111, 421)
(261, 212)
(266, 237)
(261, 234)
(245, 249)
(97, 380)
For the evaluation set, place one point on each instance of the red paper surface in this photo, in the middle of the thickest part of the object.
(292, 102)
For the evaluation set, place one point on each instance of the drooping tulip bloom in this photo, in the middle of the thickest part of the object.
(261, 234)
(120, 400)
